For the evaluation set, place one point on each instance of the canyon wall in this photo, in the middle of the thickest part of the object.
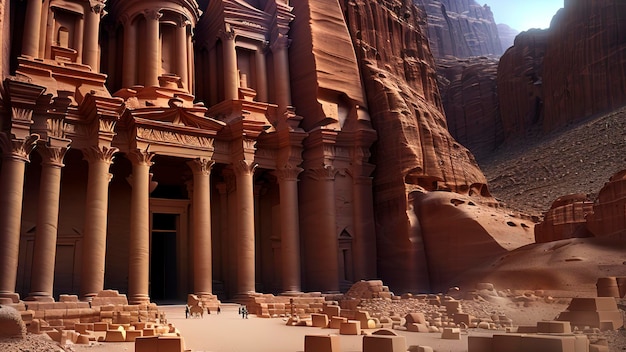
(415, 155)
(461, 28)
(572, 71)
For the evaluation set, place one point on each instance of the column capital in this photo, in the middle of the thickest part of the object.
(288, 172)
(152, 14)
(281, 41)
(326, 172)
(52, 156)
(244, 167)
(141, 157)
(17, 149)
(227, 33)
(99, 153)
(97, 6)
(201, 166)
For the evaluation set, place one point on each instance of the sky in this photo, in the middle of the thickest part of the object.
(523, 15)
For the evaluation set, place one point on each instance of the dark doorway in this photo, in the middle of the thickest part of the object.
(163, 271)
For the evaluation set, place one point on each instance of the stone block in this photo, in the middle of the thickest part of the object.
(451, 334)
(452, 306)
(508, 343)
(319, 320)
(131, 335)
(171, 344)
(362, 317)
(550, 343)
(335, 322)
(55, 335)
(147, 344)
(117, 335)
(598, 348)
(592, 319)
(414, 318)
(149, 332)
(462, 318)
(593, 304)
(554, 327)
(385, 331)
(83, 339)
(384, 343)
(527, 329)
(100, 326)
(480, 344)
(83, 327)
(321, 343)
(415, 327)
(351, 327)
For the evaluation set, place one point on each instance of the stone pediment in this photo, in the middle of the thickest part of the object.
(239, 16)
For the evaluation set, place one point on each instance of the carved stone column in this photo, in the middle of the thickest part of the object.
(96, 208)
(365, 236)
(231, 76)
(261, 75)
(289, 227)
(325, 275)
(202, 258)
(79, 39)
(181, 52)
(139, 241)
(30, 42)
(244, 173)
(91, 55)
(42, 277)
(152, 57)
(129, 73)
(14, 158)
(281, 73)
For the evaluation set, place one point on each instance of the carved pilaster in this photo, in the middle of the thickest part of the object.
(17, 149)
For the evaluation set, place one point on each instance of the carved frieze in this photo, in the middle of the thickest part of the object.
(157, 136)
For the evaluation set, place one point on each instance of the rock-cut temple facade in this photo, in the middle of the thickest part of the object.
(169, 147)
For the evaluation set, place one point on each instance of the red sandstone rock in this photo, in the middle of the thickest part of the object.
(470, 99)
(565, 219)
(608, 215)
(461, 28)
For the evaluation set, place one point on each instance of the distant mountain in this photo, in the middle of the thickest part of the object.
(507, 35)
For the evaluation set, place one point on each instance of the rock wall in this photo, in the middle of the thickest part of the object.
(507, 36)
(414, 154)
(608, 216)
(565, 219)
(573, 70)
(470, 99)
(461, 28)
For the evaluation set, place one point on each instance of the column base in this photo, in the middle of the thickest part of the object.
(139, 299)
(9, 297)
(39, 297)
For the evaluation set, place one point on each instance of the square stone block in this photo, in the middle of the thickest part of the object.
(462, 318)
(415, 327)
(451, 334)
(332, 311)
(149, 332)
(319, 320)
(550, 343)
(598, 348)
(322, 343)
(527, 329)
(508, 343)
(554, 327)
(118, 335)
(83, 327)
(171, 344)
(480, 344)
(100, 326)
(131, 335)
(147, 344)
(351, 327)
(335, 322)
(384, 343)
(593, 304)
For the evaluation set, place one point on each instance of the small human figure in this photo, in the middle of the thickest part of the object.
(219, 309)
(240, 311)
(245, 312)
(208, 310)
(187, 312)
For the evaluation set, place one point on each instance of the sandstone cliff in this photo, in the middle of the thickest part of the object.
(415, 154)
(470, 99)
(507, 36)
(569, 72)
(461, 28)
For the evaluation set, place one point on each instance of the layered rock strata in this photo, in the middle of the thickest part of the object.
(414, 154)
(565, 219)
(461, 28)
(573, 70)
(470, 99)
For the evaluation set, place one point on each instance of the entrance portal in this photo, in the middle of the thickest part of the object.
(163, 270)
